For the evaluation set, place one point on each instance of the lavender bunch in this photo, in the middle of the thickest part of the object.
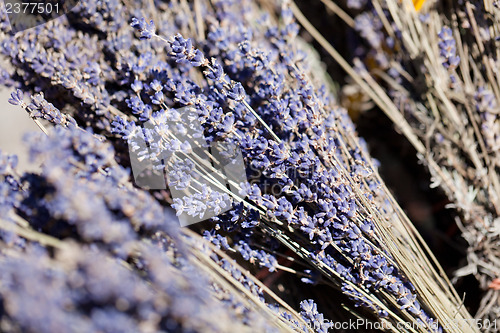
(311, 187)
(104, 252)
(434, 75)
(344, 237)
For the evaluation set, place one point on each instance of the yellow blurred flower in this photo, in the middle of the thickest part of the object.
(418, 4)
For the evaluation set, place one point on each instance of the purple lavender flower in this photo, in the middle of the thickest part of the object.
(147, 30)
(356, 4)
(447, 48)
(16, 98)
(184, 52)
(369, 27)
(313, 317)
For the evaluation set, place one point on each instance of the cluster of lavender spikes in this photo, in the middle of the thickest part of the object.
(426, 61)
(251, 86)
(326, 223)
(103, 256)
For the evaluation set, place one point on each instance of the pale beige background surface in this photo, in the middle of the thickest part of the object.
(14, 122)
